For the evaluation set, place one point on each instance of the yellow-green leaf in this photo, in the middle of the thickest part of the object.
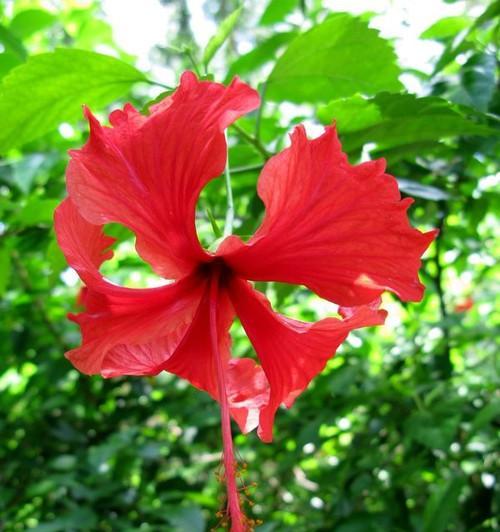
(51, 88)
(220, 37)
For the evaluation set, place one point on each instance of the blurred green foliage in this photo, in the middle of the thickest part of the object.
(400, 432)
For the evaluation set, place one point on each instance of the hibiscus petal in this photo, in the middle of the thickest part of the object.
(292, 352)
(140, 332)
(338, 229)
(145, 331)
(84, 245)
(247, 388)
(248, 392)
(134, 331)
(124, 331)
(147, 172)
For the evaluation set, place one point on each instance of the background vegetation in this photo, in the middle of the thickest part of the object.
(400, 431)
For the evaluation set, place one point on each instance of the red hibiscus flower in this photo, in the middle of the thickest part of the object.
(338, 229)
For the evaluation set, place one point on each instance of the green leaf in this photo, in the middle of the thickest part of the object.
(93, 32)
(442, 505)
(30, 167)
(222, 34)
(412, 150)
(189, 519)
(8, 61)
(276, 11)
(339, 57)
(55, 259)
(77, 519)
(485, 416)
(446, 27)
(363, 522)
(12, 43)
(263, 53)
(478, 78)
(5, 269)
(452, 49)
(37, 211)
(30, 21)
(119, 232)
(392, 120)
(213, 222)
(460, 44)
(424, 428)
(490, 13)
(64, 462)
(350, 114)
(51, 88)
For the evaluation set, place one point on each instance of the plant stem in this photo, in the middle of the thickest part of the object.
(445, 365)
(252, 140)
(228, 224)
(158, 84)
(260, 110)
(248, 168)
(188, 52)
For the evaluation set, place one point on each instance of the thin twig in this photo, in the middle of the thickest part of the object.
(158, 84)
(188, 52)
(228, 224)
(250, 139)
(260, 110)
(248, 168)
(446, 366)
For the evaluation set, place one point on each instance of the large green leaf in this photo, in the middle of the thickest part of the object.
(336, 58)
(395, 120)
(51, 88)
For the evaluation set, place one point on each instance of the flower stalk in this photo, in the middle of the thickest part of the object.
(228, 224)
(233, 509)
